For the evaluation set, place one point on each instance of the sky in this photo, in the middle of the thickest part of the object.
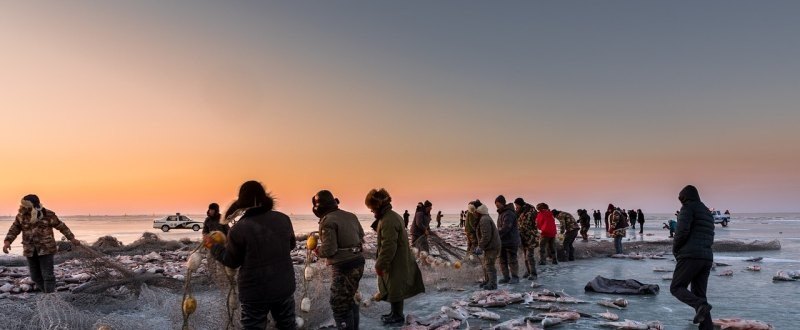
(143, 107)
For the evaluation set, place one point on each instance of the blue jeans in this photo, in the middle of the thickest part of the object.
(618, 244)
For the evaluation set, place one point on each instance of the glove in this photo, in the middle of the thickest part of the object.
(379, 271)
(478, 251)
(208, 243)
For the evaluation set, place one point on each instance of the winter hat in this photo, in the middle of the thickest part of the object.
(542, 206)
(519, 201)
(555, 212)
(214, 206)
(31, 201)
(428, 203)
(501, 199)
(482, 209)
(377, 198)
(471, 207)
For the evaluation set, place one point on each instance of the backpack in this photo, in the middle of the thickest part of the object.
(622, 219)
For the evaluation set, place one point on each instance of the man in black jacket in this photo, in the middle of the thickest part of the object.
(260, 246)
(420, 228)
(509, 237)
(692, 250)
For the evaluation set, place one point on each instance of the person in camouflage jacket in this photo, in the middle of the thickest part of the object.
(617, 228)
(38, 244)
(569, 228)
(529, 234)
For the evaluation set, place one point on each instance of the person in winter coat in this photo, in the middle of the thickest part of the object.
(609, 210)
(597, 217)
(547, 227)
(420, 228)
(471, 227)
(260, 246)
(399, 277)
(489, 245)
(509, 236)
(529, 236)
(36, 224)
(439, 219)
(212, 222)
(341, 243)
(632, 218)
(692, 249)
(569, 228)
(618, 221)
(406, 216)
(640, 219)
(585, 222)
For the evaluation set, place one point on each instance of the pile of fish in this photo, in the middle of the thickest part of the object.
(499, 298)
(739, 324)
(639, 256)
(787, 276)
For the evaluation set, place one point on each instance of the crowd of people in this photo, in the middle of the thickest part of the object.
(260, 246)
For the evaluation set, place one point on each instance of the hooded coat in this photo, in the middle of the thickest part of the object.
(401, 276)
(546, 223)
(260, 245)
(488, 237)
(37, 234)
(421, 224)
(507, 226)
(695, 233)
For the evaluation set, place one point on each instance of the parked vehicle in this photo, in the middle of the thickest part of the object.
(720, 217)
(177, 221)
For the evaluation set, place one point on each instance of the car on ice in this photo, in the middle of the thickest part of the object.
(177, 221)
(721, 217)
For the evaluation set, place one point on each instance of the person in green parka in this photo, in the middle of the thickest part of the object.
(399, 277)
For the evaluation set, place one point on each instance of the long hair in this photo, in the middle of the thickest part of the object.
(251, 194)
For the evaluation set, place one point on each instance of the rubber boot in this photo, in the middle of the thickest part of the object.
(356, 316)
(492, 283)
(514, 280)
(397, 316)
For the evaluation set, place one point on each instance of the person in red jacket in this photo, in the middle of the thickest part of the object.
(547, 226)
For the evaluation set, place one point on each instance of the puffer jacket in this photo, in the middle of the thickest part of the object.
(260, 245)
(488, 237)
(546, 223)
(507, 226)
(695, 233)
(341, 237)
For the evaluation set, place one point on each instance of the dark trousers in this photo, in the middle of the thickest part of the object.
(530, 259)
(641, 227)
(508, 261)
(569, 238)
(547, 247)
(343, 290)
(694, 273)
(41, 270)
(596, 223)
(254, 315)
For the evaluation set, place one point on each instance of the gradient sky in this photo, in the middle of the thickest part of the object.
(157, 107)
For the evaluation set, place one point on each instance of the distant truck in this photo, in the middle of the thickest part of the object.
(721, 217)
(177, 221)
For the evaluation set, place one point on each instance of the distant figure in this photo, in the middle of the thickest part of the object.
(399, 277)
(471, 226)
(260, 246)
(36, 224)
(341, 241)
(727, 212)
(569, 228)
(212, 222)
(509, 237)
(406, 215)
(692, 250)
(462, 219)
(420, 228)
(528, 235)
(439, 219)
(618, 222)
(640, 218)
(610, 209)
(488, 245)
(547, 227)
(597, 217)
(632, 217)
(585, 222)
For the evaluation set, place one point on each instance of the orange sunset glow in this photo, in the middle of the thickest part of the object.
(122, 109)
